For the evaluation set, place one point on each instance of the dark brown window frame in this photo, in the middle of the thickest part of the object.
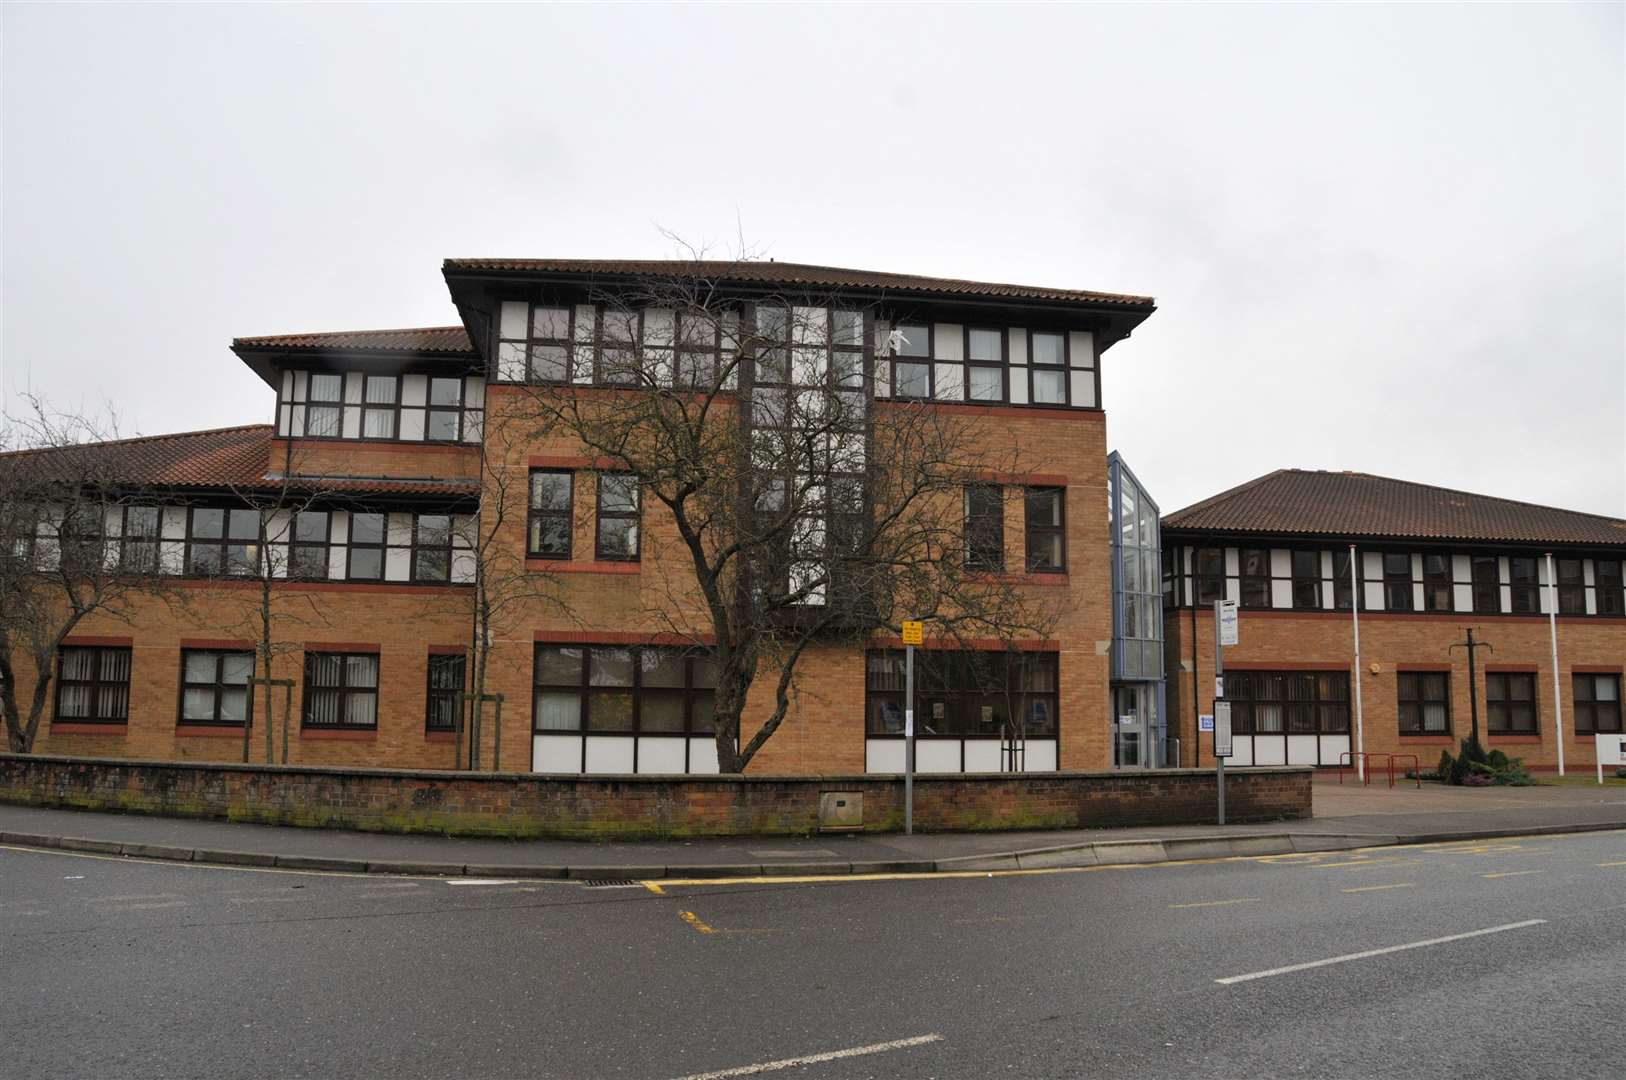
(1524, 591)
(1609, 599)
(393, 408)
(460, 410)
(635, 516)
(533, 515)
(1065, 368)
(1571, 591)
(956, 699)
(95, 683)
(1410, 690)
(1252, 583)
(344, 691)
(1347, 594)
(1589, 706)
(1202, 581)
(334, 404)
(421, 548)
(1250, 689)
(351, 545)
(218, 686)
(444, 695)
(926, 360)
(1500, 702)
(1433, 582)
(223, 543)
(1477, 583)
(693, 691)
(1030, 530)
(295, 546)
(1397, 583)
(984, 527)
(1302, 582)
(154, 543)
(1001, 364)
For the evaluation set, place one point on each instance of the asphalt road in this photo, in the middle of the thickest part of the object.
(112, 967)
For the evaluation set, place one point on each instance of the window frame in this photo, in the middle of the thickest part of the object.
(1476, 583)
(1500, 702)
(600, 514)
(1243, 689)
(218, 687)
(1397, 583)
(1065, 368)
(335, 404)
(693, 690)
(419, 548)
(984, 527)
(1200, 579)
(441, 694)
(1524, 590)
(957, 692)
(1030, 530)
(459, 410)
(393, 408)
(1571, 594)
(95, 684)
(351, 545)
(1589, 705)
(344, 691)
(1409, 691)
(1001, 364)
(926, 360)
(224, 542)
(1300, 581)
(533, 515)
(1259, 579)
(1445, 579)
(1609, 599)
(296, 545)
(155, 542)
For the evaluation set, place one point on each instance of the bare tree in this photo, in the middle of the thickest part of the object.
(76, 541)
(811, 507)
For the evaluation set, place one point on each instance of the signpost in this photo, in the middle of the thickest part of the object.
(1224, 634)
(1611, 751)
(913, 634)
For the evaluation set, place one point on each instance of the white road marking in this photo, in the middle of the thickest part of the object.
(815, 1059)
(1380, 888)
(1217, 903)
(151, 907)
(1232, 980)
(263, 899)
(1513, 873)
(482, 881)
(132, 896)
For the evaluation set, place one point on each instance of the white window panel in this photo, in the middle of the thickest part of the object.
(1016, 345)
(983, 755)
(511, 362)
(1083, 389)
(172, 556)
(937, 755)
(414, 390)
(884, 755)
(556, 753)
(300, 381)
(1039, 755)
(660, 326)
(336, 562)
(883, 378)
(949, 380)
(352, 387)
(609, 754)
(1081, 348)
(411, 425)
(173, 525)
(352, 423)
(1281, 593)
(1374, 595)
(277, 556)
(948, 342)
(398, 532)
(1462, 597)
(463, 566)
(659, 754)
(297, 419)
(474, 392)
(515, 314)
(703, 756)
(1019, 386)
(287, 385)
(586, 323)
(397, 564)
(809, 325)
(473, 425)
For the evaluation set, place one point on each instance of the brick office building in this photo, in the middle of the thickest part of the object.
(366, 503)
(1428, 564)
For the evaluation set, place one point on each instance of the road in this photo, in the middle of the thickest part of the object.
(115, 967)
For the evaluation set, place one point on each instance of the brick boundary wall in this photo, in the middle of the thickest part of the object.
(522, 805)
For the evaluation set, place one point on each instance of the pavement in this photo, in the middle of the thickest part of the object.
(1345, 816)
(1475, 960)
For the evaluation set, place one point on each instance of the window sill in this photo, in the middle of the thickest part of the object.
(440, 736)
(340, 734)
(78, 727)
(563, 566)
(1586, 737)
(1059, 578)
(1426, 740)
(1526, 740)
(208, 731)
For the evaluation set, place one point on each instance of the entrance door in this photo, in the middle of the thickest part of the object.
(1131, 735)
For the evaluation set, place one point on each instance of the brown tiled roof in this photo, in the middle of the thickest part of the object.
(423, 339)
(235, 457)
(1314, 503)
(797, 274)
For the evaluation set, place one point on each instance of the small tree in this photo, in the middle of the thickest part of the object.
(807, 510)
(76, 541)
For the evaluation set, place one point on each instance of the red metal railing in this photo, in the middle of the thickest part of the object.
(1346, 760)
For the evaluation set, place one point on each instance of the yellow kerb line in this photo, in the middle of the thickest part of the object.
(1513, 873)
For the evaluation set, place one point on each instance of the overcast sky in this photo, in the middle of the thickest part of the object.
(1388, 239)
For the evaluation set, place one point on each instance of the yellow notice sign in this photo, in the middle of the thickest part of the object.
(912, 633)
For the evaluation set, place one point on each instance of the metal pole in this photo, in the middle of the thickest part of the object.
(1355, 615)
(496, 750)
(1473, 690)
(1219, 676)
(287, 715)
(248, 719)
(1552, 629)
(909, 741)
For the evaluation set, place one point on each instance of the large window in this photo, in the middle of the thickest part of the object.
(1607, 578)
(1487, 579)
(366, 548)
(324, 405)
(1396, 581)
(1208, 567)
(1437, 583)
(1525, 590)
(214, 686)
(1047, 367)
(1510, 700)
(93, 684)
(912, 361)
(1344, 571)
(1597, 704)
(623, 690)
(550, 514)
(308, 555)
(138, 541)
(1046, 530)
(341, 690)
(617, 517)
(444, 421)
(1571, 587)
(1425, 702)
(985, 364)
(1288, 702)
(984, 527)
(381, 404)
(1254, 564)
(444, 698)
(431, 547)
(963, 694)
(1307, 580)
(220, 541)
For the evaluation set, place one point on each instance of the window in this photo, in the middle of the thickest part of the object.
(1597, 704)
(214, 686)
(324, 406)
(138, 544)
(697, 351)
(220, 541)
(1510, 699)
(93, 684)
(1208, 566)
(618, 347)
(431, 547)
(1046, 528)
(380, 406)
(1255, 567)
(617, 517)
(1571, 587)
(1396, 581)
(1425, 702)
(366, 551)
(963, 694)
(1437, 583)
(550, 514)
(445, 694)
(80, 537)
(1288, 702)
(623, 690)
(1047, 367)
(1487, 579)
(1344, 569)
(1525, 590)
(1307, 580)
(444, 422)
(847, 348)
(1606, 575)
(550, 345)
(341, 690)
(308, 555)
(912, 369)
(984, 527)
(985, 367)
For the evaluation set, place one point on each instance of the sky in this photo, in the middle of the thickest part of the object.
(1385, 239)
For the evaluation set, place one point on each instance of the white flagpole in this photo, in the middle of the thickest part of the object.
(1552, 629)
(1355, 614)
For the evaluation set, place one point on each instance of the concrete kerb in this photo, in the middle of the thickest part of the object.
(1099, 853)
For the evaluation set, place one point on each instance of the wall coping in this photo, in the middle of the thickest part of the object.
(628, 778)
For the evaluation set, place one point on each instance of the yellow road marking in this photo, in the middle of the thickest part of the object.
(694, 920)
(1514, 873)
(654, 888)
(1218, 903)
(1621, 863)
(1376, 888)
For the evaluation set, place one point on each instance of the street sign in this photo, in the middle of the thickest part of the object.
(908, 723)
(1222, 729)
(1227, 622)
(1219, 686)
(1205, 722)
(1611, 751)
(1127, 719)
(913, 632)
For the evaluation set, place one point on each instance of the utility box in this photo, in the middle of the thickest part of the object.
(841, 811)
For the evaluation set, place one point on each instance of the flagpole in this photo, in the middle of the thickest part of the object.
(1355, 616)
(1552, 629)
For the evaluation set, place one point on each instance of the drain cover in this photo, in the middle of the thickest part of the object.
(609, 883)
